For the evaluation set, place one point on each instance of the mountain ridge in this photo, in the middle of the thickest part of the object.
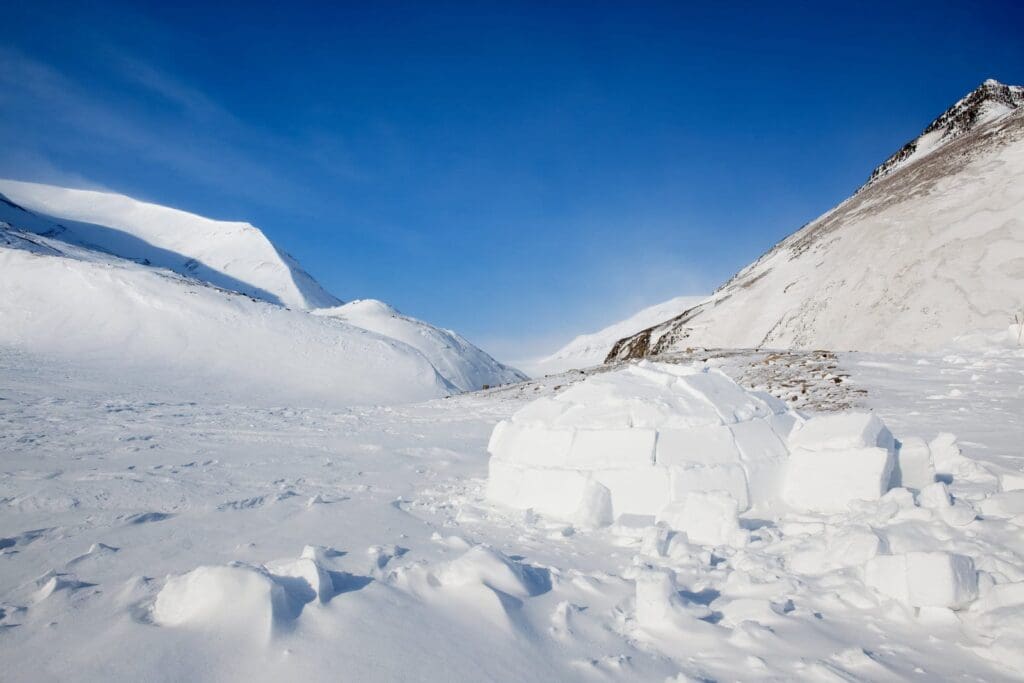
(960, 202)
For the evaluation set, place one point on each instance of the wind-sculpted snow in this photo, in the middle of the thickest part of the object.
(922, 255)
(155, 327)
(228, 254)
(147, 534)
(176, 315)
(464, 365)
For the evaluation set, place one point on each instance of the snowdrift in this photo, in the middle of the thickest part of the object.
(464, 365)
(179, 316)
(157, 328)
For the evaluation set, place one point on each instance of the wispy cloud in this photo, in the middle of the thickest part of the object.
(197, 139)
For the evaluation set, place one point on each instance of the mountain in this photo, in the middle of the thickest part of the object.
(588, 350)
(929, 249)
(229, 254)
(108, 282)
(464, 365)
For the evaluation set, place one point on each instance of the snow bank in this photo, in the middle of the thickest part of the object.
(467, 367)
(649, 435)
(163, 330)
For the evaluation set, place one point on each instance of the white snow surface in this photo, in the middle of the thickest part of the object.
(147, 534)
(233, 255)
(116, 315)
(110, 304)
(464, 365)
(591, 349)
(928, 253)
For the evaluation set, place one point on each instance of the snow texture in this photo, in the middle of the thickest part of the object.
(930, 251)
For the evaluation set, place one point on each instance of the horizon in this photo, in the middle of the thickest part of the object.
(603, 159)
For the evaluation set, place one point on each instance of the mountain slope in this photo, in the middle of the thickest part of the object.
(228, 254)
(464, 365)
(587, 350)
(931, 248)
(214, 259)
(159, 329)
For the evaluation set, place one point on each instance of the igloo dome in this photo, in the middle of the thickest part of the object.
(635, 441)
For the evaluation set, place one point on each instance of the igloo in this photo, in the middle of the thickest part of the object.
(636, 440)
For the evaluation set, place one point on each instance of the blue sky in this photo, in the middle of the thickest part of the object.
(518, 172)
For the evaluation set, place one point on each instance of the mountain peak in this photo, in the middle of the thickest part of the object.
(989, 101)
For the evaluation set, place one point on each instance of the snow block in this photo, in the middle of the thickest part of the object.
(706, 518)
(642, 491)
(924, 579)
(612, 449)
(548, 491)
(828, 480)
(914, 462)
(758, 441)
(595, 509)
(840, 431)
(731, 479)
(531, 446)
(710, 445)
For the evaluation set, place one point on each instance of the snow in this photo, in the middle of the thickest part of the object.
(924, 579)
(707, 518)
(649, 434)
(829, 480)
(70, 294)
(167, 329)
(464, 365)
(173, 524)
(916, 260)
(591, 349)
(230, 254)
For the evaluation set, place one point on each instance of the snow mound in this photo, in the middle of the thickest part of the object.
(464, 365)
(237, 597)
(229, 254)
(648, 435)
(168, 331)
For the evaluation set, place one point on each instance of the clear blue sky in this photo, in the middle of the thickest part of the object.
(518, 172)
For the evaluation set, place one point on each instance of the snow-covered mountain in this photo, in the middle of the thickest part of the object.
(929, 249)
(229, 254)
(461, 363)
(591, 349)
(167, 294)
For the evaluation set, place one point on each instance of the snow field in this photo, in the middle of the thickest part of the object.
(410, 569)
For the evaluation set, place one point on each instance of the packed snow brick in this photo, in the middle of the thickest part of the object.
(828, 481)
(837, 459)
(706, 519)
(841, 431)
(924, 579)
(914, 463)
(648, 435)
